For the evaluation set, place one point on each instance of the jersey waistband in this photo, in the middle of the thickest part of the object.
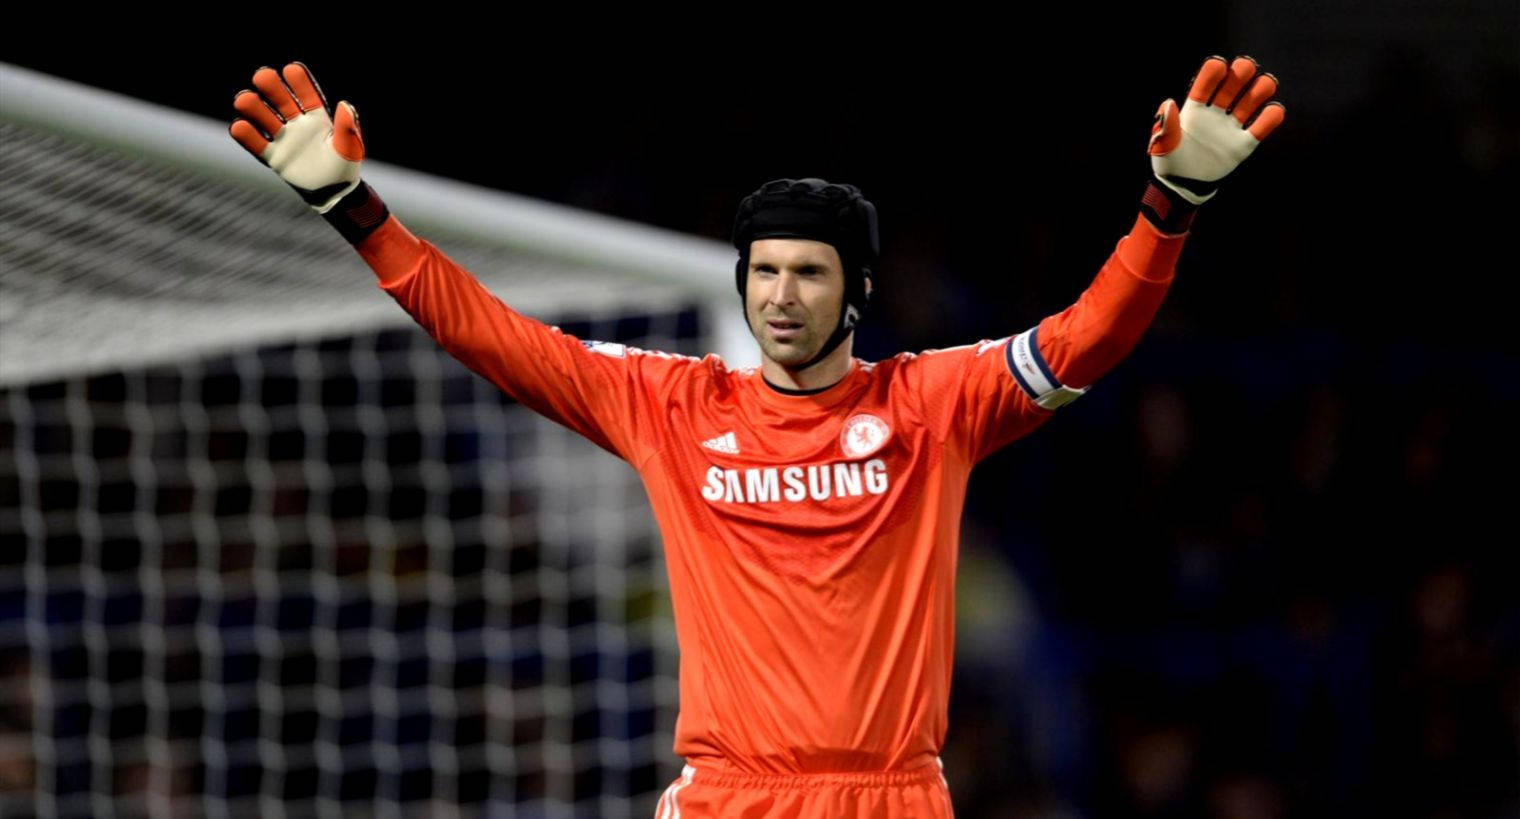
(927, 775)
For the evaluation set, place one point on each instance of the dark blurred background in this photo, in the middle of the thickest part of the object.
(1266, 567)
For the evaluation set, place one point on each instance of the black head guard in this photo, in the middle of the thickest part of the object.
(825, 212)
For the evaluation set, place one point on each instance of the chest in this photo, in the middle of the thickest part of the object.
(759, 462)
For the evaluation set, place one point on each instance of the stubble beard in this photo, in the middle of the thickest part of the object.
(790, 353)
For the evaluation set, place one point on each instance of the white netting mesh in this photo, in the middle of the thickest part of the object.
(267, 551)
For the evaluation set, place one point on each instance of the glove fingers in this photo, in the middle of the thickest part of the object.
(275, 93)
(1242, 69)
(1206, 82)
(249, 137)
(1166, 132)
(1267, 120)
(304, 86)
(346, 139)
(1258, 91)
(257, 113)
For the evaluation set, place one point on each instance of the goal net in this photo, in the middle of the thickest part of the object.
(267, 551)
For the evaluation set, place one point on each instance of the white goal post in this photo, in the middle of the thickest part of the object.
(267, 551)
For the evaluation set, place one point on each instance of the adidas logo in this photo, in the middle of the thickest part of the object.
(725, 443)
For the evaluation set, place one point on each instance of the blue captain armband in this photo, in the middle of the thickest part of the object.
(1035, 376)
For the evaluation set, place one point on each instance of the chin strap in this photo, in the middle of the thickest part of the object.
(848, 318)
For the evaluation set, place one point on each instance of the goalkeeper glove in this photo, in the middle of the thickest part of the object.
(1226, 115)
(285, 125)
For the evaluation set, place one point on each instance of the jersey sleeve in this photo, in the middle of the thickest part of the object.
(983, 396)
(609, 393)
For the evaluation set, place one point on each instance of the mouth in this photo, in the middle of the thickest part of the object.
(784, 329)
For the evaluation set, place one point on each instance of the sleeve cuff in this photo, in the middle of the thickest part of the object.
(1148, 253)
(1165, 209)
(358, 214)
(391, 251)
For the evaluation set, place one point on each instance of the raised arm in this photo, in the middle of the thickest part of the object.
(1006, 388)
(595, 389)
(1227, 113)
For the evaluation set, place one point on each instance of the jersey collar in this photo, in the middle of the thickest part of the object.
(804, 400)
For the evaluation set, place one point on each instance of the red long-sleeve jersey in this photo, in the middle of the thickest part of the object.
(810, 539)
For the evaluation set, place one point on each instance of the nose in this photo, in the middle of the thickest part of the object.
(785, 291)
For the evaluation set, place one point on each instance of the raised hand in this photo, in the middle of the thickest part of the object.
(1228, 112)
(285, 125)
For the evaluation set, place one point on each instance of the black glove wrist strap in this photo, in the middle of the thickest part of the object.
(1166, 209)
(358, 214)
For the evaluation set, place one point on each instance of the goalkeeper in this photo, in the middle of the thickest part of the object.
(809, 507)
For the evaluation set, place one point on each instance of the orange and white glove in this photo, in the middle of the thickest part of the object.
(286, 126)
(1228, 112)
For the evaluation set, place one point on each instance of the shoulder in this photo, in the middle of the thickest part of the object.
(645, 359)
(672, 373)
(655, 371)
(974, 350)
(943, 358)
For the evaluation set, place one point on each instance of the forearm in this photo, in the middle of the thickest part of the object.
(392, 252)
(517, 354)
(286, 125)
(589, 387)
(1087, 339)
(457, 310)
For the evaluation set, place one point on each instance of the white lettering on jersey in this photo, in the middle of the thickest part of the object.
(876, 476)
(818, 481)
(847, 478)
(760, 486)
(795, 491)
(713, 491)
(824, 482)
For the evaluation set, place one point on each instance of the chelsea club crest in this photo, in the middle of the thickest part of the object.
(862, 435)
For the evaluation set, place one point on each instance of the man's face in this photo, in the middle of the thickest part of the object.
(793, 297)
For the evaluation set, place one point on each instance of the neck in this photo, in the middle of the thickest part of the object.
(826, 373)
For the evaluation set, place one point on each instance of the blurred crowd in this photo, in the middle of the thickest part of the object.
(1265, 568)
